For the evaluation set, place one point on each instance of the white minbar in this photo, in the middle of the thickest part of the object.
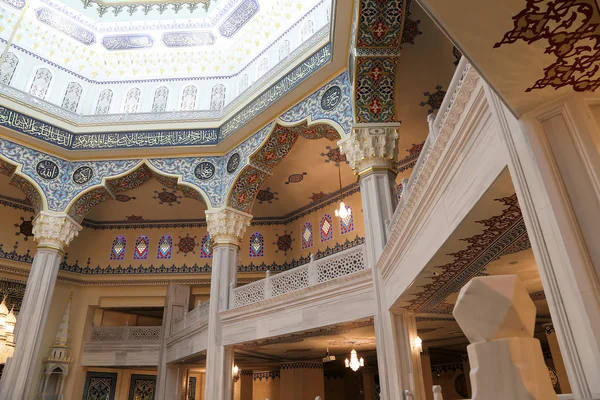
(226, 227)
(53, 232)
(372, 152)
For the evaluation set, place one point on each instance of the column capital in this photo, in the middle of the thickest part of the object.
(227, 225)
(371, 146)
(54, 230)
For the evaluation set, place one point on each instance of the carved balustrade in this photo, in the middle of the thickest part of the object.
(107, 334)
(317, 271)
(440, 128)
(198, 317)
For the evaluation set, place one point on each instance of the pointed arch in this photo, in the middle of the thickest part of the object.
(326, 228)
(206, 247)
(308, 29)
(161, 98)
(347, 224)
(284, 49)
(138, 175)
(217, 98)
(275, 147)
(141, 249)
(117, 250)
(263, 66)
(257, 245)
(165, 248)
(188, 98)
(40, 83)
(72, 96)
(307, 236)
(132, 100)
(243, 84)
(104, 102)
(8, 68)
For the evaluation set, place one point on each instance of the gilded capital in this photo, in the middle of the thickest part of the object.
(54, 230)
(227, 225)
(371, 146)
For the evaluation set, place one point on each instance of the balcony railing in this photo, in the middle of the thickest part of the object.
(109, 334)
(198, 317)
(317, 271)
(440, 127)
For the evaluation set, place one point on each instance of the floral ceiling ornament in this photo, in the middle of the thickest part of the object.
(124, 198)
(411, 30)
(434, 100)
(334, 155)
(133, 218)
(166, 196)
(176, 6)
(317, 196)
(296, 178)
(186, 244)
(266, 196)
(572, 30)
(25, 228)
(284, 242)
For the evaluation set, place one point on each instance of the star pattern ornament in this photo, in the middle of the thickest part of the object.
(186, 244)
(284, 242)
(25, 228)
(167, 196)
(434, 100)
(411, 31)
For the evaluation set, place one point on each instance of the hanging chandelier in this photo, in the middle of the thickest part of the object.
(343, 212)
(354, 363)
(7, 328)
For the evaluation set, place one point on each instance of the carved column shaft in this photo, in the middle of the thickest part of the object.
(53, 233)
(226, 227)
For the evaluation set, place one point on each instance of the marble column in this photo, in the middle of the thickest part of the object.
(427, 375)
(53, 232)
(372, 152)
(226, 227)
(168, 379)
(554, 163)
(557, 359)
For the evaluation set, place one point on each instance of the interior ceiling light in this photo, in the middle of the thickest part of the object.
(343, 212)
(354, 363)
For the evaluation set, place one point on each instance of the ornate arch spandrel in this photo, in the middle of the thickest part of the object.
(278, 144)
(33, 193)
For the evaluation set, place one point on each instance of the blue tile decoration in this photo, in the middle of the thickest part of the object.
(341, 114)
(320, 58)
(339, 111)
(238, 18)
(127, 42)
(188, 39)
(65, 25)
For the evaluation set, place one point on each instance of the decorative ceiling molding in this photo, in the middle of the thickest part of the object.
(500, 233)
(133, 7)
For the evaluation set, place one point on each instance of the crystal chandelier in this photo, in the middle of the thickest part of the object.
(343, 211)
(354, 363)
(7, 328)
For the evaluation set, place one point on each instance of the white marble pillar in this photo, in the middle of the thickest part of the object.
(372, 152)
(226, 227)
(555, 166)
(53, 232)
(168, 379)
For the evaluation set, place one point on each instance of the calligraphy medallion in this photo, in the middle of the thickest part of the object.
(233, 163)
(47, 169)
(331, 98)
(83, 175)
(204, 171)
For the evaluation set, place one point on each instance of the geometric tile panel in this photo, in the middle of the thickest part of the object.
(117, 251)
(307, 236)
(142, 387)
(165, 248)
(347, 224)
(326, 228)
(142, 246)
(100, 386)
(257, 245)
